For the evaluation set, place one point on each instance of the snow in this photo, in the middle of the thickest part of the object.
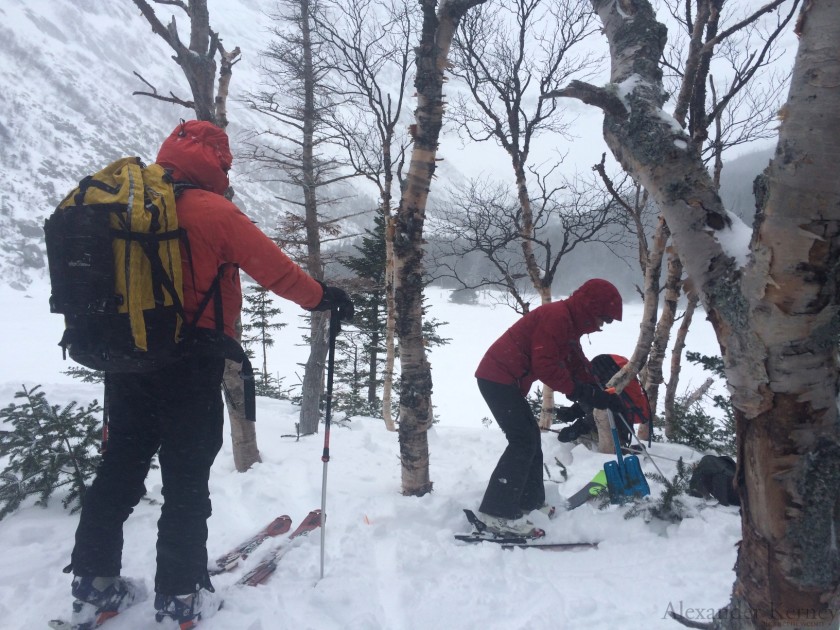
(390, 561)
(735, 240)
(626, 87)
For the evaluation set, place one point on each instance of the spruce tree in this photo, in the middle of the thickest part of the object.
(360, 353)
(48, 448)
(260, 311)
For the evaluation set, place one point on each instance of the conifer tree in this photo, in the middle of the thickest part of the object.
(361, 352)
(260, 311)
(370, 311)
(49, 447)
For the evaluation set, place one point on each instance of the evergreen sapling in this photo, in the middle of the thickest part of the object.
(49, 447)
(259, 308)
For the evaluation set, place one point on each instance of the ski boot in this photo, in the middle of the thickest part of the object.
(187, 610)
(98, 599)
(510, 527)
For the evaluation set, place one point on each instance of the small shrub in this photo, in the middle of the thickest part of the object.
(464, 296)
(669, 506)
(49, 448)
(695, 427)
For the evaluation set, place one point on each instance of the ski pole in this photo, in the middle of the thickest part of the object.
(335, 327)
(644, 448)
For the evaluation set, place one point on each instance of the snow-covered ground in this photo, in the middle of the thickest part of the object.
(391, 561)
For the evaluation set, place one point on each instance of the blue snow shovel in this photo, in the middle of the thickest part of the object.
(624, 477)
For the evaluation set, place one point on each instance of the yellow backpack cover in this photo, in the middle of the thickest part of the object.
(115, 268)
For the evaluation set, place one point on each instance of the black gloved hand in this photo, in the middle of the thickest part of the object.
(591, 395)
(568, 414)
(335, 299)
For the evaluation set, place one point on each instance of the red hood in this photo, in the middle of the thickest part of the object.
(198, 152)
(594, 299)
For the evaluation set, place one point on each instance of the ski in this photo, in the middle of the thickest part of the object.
(60, 624)
(589, 491)
(231, 559)
(260, 573)
(91, 618)
(481, 528)
(508, 542)
(525, 543)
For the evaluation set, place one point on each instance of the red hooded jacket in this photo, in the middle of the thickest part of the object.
(220, 234)
(545, 344)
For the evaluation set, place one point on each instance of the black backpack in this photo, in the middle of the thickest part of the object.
(714, 476)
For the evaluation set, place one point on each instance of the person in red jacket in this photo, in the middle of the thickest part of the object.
(177, 411)
(543, 345)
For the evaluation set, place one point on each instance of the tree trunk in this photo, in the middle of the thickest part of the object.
(547, 410)
(656, 358)
(199, 67)
(390, 325)
(676, 363)
(313, 374)
(653, 269)
(416, 383)
(605, 438)
(243, 433)
(775, 313)
(788, 570)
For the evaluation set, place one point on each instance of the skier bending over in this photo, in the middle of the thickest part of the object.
(544, 345)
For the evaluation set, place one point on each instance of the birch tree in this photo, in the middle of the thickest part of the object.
(510, 55)
(209, 102)
(773, 302)
(432, 53)
(718, 65)
(370, 51)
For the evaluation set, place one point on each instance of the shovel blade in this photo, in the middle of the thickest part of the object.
(615, 482)
(636, 484)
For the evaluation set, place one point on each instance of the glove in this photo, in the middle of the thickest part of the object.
(590, 395)
(581, 427)
(335, 299)
(568, 414)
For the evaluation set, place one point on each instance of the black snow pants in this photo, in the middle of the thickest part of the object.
(177, 411)
(516, 486)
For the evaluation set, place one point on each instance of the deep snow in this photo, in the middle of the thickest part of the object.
(391, 561)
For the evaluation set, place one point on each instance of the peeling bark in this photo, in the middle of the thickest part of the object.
(416, 385)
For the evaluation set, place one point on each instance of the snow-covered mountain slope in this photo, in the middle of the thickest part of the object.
(66, 105)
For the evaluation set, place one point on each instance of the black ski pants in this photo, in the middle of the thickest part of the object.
(177, 412)
(516, 485)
